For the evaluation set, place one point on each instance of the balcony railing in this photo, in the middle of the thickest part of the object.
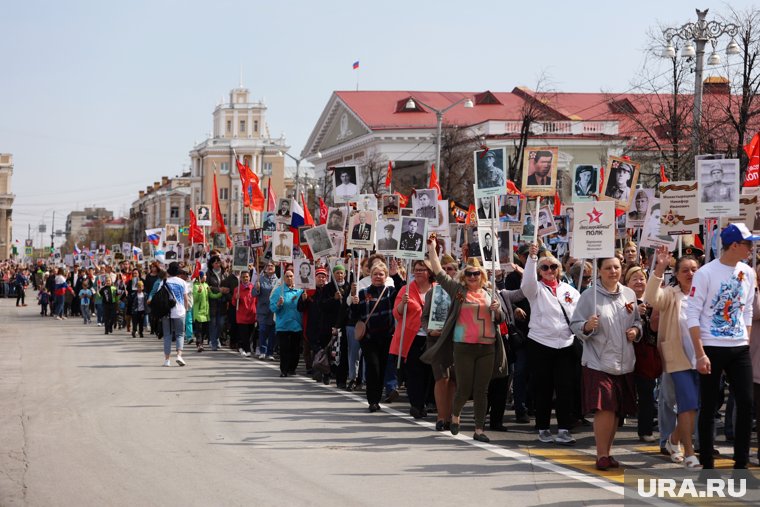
(573, 128)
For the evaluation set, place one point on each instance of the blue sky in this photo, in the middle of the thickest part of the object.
(99, 99)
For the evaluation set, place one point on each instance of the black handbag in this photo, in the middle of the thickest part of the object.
(515, 337)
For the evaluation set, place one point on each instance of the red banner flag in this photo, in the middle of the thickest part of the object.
(471, 214)
(245, 182)
(307, 218)
(197, 270)
(403, 200)
(217, 224)
(512, 188)
(196, 233)
(557, 204)
(752, 177)
(388, 175)
(663, 178)
(252, 196)
(322, 212)
(271, 198)
(434, 182)
(601, 181)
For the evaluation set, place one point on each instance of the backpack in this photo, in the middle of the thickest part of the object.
(162, 302)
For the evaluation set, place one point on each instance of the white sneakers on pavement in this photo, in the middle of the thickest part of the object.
(545, 436)
(564, 437)
(167, 363)
(180, 361)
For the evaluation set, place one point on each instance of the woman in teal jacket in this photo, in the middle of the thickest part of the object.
(284, 304)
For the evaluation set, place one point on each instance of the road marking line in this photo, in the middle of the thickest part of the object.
(606, 482)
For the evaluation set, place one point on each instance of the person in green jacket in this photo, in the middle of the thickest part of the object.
(201, 296)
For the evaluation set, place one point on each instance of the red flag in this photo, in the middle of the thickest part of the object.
(245, 181)
(663, 178)
(619, 212)
(752, 177)
(557, 204)
(322, 212)
(434, 182)
(601, 181)
(698, 242)
(512, 188)
(217, 224)
(471, 214)
(196, 233)
(307, 218)
(252, 196)
(403, 200)
(271, 198)
(197, 270)
(388, 175)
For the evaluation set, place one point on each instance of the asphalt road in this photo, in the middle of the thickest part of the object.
(90, 419)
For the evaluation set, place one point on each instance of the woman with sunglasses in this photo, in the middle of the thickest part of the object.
(551, 355)
(469, 339)
(608, 321)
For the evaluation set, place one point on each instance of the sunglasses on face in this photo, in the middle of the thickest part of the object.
(472, 274)
(547, 267)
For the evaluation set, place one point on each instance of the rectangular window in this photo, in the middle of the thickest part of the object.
(242, 126)
(255, 125)
(235, 219)
(267, 168)
(225, 168)
(246, 219)
(229, 126)
(174, 212)
(224, 217)
(224, 194)
(234, 193)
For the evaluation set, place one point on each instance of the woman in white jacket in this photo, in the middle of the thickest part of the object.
(551, 355)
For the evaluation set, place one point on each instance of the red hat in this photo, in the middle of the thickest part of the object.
(321, 271)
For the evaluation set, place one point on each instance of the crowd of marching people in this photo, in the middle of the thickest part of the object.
(653, 337)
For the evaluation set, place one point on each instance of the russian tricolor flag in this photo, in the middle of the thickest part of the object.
(356, 64)
(297, 214)
(153, 235)
(77, 250)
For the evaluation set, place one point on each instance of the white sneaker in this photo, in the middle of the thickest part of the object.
(247, 354)
(241, 352)
(261, 355)
(64, 317)
(57, 317)
(100, 324)
(564, 437)
(270, 358)
(545, 436)
(167, 363)
(180, 361)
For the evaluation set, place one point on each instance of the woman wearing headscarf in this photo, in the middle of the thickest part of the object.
(470, 338)
(551, 354)
(607, 320)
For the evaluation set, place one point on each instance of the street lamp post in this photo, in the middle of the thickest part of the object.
(700, 33)
(298, 165)
(410, 104)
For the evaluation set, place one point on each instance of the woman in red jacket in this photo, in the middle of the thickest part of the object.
(418, 374)
(245, 314)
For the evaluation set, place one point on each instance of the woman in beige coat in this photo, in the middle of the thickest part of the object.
(676, 350)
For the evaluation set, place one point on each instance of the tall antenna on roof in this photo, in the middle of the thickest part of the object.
(241, 75)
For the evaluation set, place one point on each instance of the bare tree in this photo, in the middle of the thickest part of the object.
(536, 107)
(741, 107)
(456, 175)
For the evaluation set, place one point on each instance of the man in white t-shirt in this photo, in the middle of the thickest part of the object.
(719, 317)
(174, 323)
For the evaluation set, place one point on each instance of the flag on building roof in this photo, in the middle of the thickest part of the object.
(356, 65)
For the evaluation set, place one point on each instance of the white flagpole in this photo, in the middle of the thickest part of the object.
(403, 318)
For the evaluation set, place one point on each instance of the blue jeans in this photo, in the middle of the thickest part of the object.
(99, 312)
(215, 326)
(86, 317)
(59, 306)
(390, 380)
(354, 352)
(266, 338)
(176, 328)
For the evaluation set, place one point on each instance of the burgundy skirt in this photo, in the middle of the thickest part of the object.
(603, 391)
